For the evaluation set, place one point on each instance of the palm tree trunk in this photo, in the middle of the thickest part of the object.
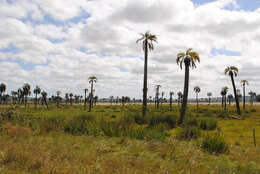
(197, 101)
(171, 103)
(186, 90)
(35, 101)
(244, 97)
(85, 101)
(225, 101)
(145, 79)
(91, 97)
(235, 93)
(222, 101)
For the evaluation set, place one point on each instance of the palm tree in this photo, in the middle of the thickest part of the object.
(27, 92)
(197, 91)
(209, 94)
(85, 100)
(147, 45)
(66, 97)
(92, 80)
(14, 94)
(224, 92)
(171, 94)
(71, 95)
(232, 71)
(162, 99)
(20, 95)
(244, 83)
(180, 96)
(58, 98)
(189, 59)
(44, 98)
(230, 98)
(222, 98)
(36, 91)
(157, 93)
(111, 99)
(252, 96)
(2, 90)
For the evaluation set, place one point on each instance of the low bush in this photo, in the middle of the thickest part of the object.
(189, 132)
(214, 144)
(191, 121)
(208, 124)
(167, 118)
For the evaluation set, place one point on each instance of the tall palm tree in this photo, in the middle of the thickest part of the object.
(222, 98)
(197, 91)
(27, 92)
(171, 94)
(20, 95)
(244, 83)
(147, 45)
(2, 90)
(209, 94)
(157, 93)
(224, 92)
(85, 100)
(252, 96)
(232, 71)
(92, 80)
(66, 97)
(36, 91)
(189, 59)
(44, 98)
(14, 96)
(58, 93)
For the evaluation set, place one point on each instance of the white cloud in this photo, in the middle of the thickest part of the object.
(108, 37)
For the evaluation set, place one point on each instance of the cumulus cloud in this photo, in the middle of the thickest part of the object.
(62, 53)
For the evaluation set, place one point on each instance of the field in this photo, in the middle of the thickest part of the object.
(116, 139)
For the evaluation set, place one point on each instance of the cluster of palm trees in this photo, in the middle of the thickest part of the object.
(189, 60)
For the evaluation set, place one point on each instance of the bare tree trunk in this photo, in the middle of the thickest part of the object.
(244, 97)
(145, 79)
(186, 90)
(236, 97)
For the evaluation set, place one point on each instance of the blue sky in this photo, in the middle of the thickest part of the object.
(247, 5)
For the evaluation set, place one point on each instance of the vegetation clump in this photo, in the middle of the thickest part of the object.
(214, 144)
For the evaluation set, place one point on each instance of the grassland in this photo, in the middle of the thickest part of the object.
(116, 139)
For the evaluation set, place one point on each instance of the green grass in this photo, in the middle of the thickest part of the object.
(116, 139)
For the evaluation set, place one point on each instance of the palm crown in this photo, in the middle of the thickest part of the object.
(197, 89)
(92, 79)
(190, 56)
(149, 38)
(231, 70)
(244, 82)
(2, 87)
(37, 90)
(26, 89)
(224, 90)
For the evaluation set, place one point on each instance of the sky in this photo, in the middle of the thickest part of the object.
(59, 44)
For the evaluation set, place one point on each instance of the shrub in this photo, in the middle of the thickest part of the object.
(208, 124)
(188, 133)
(169, 119)
(191, 121)
(222, 114)
(214, 144)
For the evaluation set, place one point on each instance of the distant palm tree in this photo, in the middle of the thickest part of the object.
(252, 96)
(44, 98)
(189, 59)
(224, 92)
(92, 80)
(27, 92)
(85, 100)
(197, 91)
(14, 96)
(58, 93)
(20, 95)
(230, 98)
(71, 95)
(36, 91)
(2, 90)
(209, 94)
(232, 71)
(67, 98)
(157, 93)
(171, 94)
(111, 99)
(222, 98)
(162, 99)
(244, 83)
(147, 45)
(180, 96)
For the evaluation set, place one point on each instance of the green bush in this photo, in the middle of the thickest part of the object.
(208, 124)
(191, 121)
(167, 118)
(188, 133)
(214, 144)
